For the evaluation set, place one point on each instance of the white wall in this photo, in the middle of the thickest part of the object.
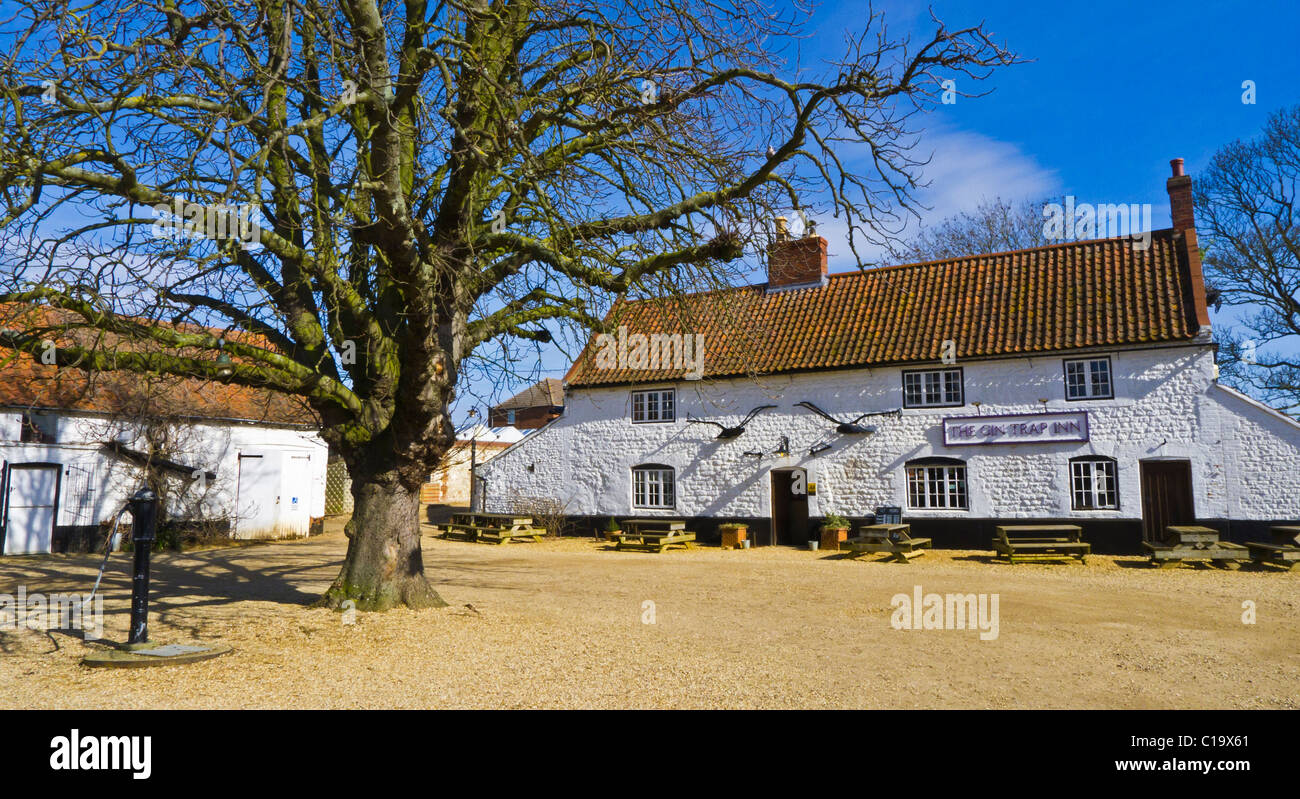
(209, 446)
(1245, 458)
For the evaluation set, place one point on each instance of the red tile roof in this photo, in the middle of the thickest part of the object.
(27, 383)
(548, 393)
(1098, 293)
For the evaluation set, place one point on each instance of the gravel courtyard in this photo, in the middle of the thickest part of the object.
(563, 624)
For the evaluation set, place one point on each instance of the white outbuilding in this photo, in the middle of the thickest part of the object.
(74, 446)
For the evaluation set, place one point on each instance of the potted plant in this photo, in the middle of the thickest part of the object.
(834, 530)
(733, 533)
(612, 530)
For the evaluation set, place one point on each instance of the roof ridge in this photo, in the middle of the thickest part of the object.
(997, 254)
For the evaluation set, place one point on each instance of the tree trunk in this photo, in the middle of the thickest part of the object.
(384, 566)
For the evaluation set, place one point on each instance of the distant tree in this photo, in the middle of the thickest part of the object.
(1246, 213)
(995, 225)
(384, 191)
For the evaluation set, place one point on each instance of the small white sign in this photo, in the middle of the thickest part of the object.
(1025, 428)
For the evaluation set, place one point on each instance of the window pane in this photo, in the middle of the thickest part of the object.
(652, 488)
(952, 387)
(934, 486)
(912, 389)
(937, 387)
(1100, 378)
(931, 388)
(1074, 385)
(1104, 477)
(1088, 378)
(1093, 484)
(1082, 480)
(937, 487)
(915, 495)
(957, 478)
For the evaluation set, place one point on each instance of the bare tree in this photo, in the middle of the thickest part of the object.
(995, 225)
(549, 513)
(1246, 207)
(378, 190)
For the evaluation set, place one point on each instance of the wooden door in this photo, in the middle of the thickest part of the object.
(1166, 497)
(789, 507)
(32, 505)
(296, 496)
(257, 503)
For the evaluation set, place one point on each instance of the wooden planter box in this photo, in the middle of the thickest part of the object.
(731, 538)
(831, 538)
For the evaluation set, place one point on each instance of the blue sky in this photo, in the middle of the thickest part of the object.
(1113, 91)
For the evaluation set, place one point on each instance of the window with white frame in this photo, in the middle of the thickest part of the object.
(658, 405)
(937, 483)
(653, 486)
(1092, 484)
(1088, 378)
(932, 388)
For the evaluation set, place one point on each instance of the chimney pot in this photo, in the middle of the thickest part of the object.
(1177, 164)
(781, 233)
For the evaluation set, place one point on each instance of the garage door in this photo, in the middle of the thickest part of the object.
(30, 508)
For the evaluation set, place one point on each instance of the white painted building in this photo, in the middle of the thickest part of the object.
(68, 461)
(1071, 382)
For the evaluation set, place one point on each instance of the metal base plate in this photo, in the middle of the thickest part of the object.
(152, 654)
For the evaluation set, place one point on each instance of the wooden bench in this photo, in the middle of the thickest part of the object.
(492, 528)
(654, 535)
(1193, 543)
(1037, 542)
(894, 540)
(1284, 551)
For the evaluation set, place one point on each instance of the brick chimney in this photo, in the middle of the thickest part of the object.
(1180, 197)
(1180, 209)
(795, 262)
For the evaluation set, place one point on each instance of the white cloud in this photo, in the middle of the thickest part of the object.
(969, 167)
(964, 169)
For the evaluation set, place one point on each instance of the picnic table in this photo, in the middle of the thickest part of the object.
(654, 535)
(891, 539)
(1284, 551)
(1033, 542)
(1189, 542)
(493, 528)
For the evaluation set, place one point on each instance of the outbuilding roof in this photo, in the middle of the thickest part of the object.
(27, 383)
